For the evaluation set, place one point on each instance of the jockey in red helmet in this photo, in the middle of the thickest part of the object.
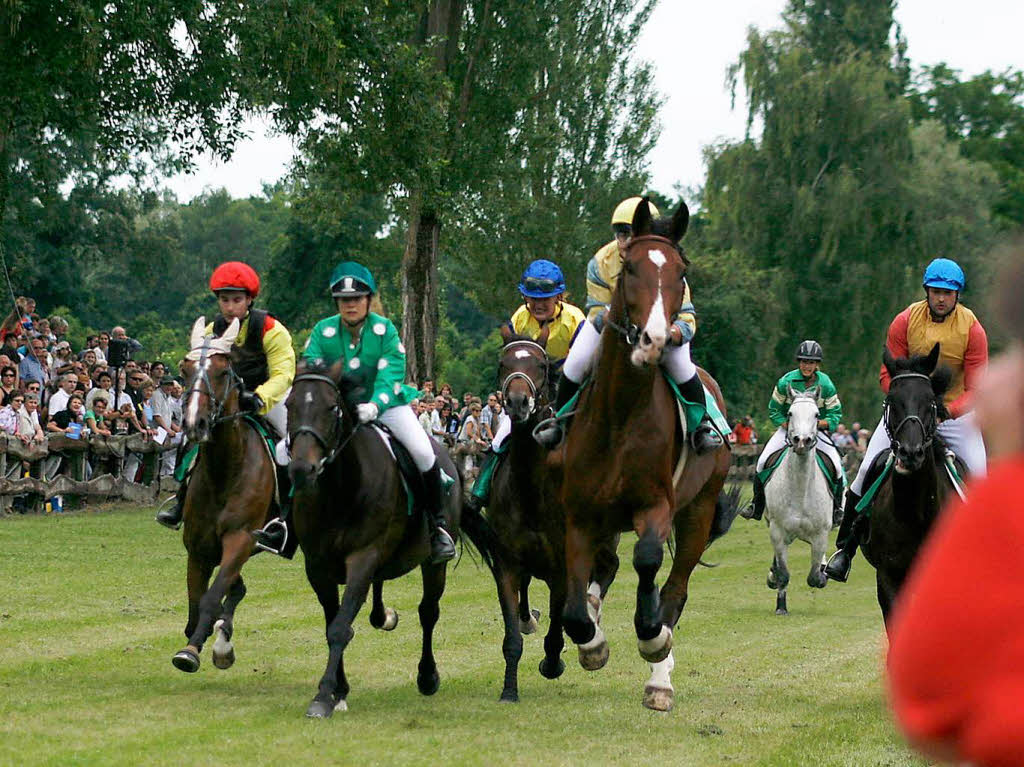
(262, 355)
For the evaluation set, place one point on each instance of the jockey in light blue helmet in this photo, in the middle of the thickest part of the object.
(944, 273)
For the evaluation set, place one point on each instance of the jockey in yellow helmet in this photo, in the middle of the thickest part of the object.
(602, 276)
(542, 287)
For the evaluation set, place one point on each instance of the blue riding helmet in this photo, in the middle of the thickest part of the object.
(944, 273)
(542, 279)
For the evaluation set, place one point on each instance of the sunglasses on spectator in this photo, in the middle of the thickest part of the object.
(33, 387)
(17, 401)
(541, 284)
(8, 375)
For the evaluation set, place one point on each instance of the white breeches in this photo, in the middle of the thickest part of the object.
(278, 416)
(503, 431)
(676, 359)
(960, 435)
(407, 430)
(778, 440)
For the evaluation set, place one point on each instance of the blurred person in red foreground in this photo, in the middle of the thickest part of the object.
(956, 658)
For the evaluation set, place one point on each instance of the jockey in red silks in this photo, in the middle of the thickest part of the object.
(963, 348)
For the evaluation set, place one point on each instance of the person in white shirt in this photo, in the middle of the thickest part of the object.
(59, 400)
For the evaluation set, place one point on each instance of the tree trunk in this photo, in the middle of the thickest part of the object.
(420, 291)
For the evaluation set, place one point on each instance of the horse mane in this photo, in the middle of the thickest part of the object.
(662, 227)
(516, 338)
(351, 390)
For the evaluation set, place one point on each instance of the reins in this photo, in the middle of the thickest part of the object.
(337, 423)
(629, 330)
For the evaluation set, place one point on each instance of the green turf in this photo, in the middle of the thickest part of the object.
(94, 605)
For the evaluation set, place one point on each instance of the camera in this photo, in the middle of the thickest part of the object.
(118, 352)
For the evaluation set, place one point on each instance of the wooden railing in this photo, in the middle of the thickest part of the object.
(107, 455)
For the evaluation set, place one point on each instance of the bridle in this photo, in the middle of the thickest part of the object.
(216, 405)
(927, 434)
(516, 374)
(817, 412)
(337, 423)
(628, 329)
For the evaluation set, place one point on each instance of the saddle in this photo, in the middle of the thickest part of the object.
(410, 475)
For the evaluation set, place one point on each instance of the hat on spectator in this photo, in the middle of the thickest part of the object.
(235, 275)
(62, 345)
(167, 380)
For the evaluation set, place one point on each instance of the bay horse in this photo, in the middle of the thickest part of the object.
(353, 522)
(526, 515)
(798, 502)
(230, 494)
(622, 449)
(908, 502)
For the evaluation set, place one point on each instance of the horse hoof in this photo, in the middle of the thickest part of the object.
(657, 649)
(320, 709)
(390, 619)
(594, 654)
(781, 611)
(186, 660)
(530, 626)
(223, 651)
(428, 684)
(658, 698)
(509, 696)
(552, 670)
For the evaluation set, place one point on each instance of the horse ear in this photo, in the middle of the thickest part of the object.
(680, 220)
(888, 360)
(789, 391)
(642, 220)
(932, 359)
(231, 333)
(198, 332)
(814, 391)
(542, 339)
(506, 332)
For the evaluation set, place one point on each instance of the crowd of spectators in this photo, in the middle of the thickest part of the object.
(744, 432)
(47, 387)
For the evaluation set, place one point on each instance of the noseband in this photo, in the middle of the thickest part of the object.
(927, 434)
(337, 424)
(516, 374)
(216, 405)
(629, 330)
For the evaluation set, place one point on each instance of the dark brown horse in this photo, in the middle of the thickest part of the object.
(908, 502)
(229, 495)
(623, 449)
(527, 518)
(353, 524)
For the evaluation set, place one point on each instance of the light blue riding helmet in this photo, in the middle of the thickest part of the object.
(542, 279)
(944, 273)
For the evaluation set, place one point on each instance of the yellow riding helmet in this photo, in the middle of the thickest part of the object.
(624, 211)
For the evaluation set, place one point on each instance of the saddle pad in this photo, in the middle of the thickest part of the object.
(835, 483)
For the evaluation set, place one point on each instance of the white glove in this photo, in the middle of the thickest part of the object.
(367, 411)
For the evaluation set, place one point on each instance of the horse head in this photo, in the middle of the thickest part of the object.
(523, 373)
(321, 418)
(652, 283)
(914, 406)
(212, 384)
(802, 432)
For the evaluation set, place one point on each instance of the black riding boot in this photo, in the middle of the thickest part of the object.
(756, 508)
(276, 536)
(442, 545)
(551, 432)
(172, 517)
(704, 438)
(839, 564)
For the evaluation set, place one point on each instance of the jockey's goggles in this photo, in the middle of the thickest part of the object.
(622, 230)
(541, 285)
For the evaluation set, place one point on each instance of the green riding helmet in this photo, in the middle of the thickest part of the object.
(350, 279)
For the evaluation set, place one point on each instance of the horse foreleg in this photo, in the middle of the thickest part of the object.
(527, 617)
(198, 579)
(778, 573)
(508, 584)
(552, 665)
(236, 547)
(654, 638)
(816, 578)
(223, 650)
(381, 617)
(588, 636)
(427, 678)
(359, 568)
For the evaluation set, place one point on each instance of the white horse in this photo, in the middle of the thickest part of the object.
(798, 503)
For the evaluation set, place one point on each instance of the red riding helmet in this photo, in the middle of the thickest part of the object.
(234, 275)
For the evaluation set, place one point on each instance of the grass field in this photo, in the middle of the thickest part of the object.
(94, 606)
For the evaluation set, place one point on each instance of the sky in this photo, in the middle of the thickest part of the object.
(691, 44)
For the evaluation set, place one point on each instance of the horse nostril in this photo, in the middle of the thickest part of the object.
(645, 339)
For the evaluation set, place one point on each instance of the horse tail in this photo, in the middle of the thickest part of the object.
(480, 534)
(726, 508)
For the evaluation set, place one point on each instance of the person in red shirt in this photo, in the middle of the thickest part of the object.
(956, 658)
